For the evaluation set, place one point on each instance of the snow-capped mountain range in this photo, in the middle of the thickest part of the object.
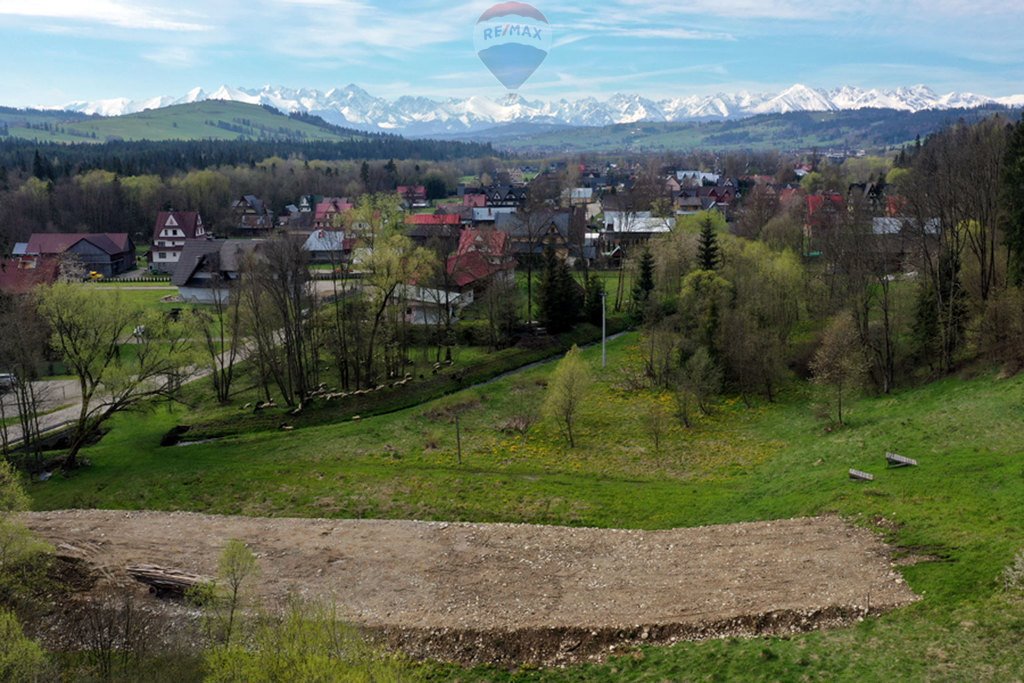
(354, 107)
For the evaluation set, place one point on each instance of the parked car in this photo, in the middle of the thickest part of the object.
(7, 382)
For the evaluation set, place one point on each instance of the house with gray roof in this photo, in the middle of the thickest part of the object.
(208, 268)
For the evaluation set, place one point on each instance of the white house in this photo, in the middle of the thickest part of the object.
(425, 306)
(636, 221)
(173, 229)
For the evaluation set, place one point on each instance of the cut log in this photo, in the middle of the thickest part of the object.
(165, 581)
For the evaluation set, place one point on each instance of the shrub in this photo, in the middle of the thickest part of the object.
(1013, 575)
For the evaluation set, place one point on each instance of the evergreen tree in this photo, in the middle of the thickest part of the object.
(40, 169)
(708, 257)
(1013, 202)
(645, 279)
(559, 299)
(593, 300)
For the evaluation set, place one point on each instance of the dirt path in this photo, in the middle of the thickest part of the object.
(512, 593)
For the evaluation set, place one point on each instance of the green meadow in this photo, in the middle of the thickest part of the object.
(959, 514)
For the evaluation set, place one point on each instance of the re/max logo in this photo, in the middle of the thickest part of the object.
(512, 30)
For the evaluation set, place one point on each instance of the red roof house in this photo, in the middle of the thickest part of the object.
(19, 277)
(481, 256)
(327, 213)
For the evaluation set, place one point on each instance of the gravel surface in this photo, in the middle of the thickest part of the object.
(513, 593)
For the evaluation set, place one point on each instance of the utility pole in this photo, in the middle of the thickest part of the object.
(604, 329)
(458, 436)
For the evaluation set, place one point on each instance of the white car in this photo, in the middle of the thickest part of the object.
(7, 381)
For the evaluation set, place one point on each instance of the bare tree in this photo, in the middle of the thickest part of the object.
(88, 330)
(221, 327)
(839, 363)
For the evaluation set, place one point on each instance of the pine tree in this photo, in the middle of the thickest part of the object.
(1013, 202)
(708, 256)
(593, 300)
(645, 279)
(559, 298)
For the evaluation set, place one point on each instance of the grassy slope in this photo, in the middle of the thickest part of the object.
(963, 505)
(192, 124)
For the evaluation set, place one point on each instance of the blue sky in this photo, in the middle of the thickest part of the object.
(57, 51)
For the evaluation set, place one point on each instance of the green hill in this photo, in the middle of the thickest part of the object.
(210, 120)
(869, 129)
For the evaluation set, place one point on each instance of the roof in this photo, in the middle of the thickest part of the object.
(20, 249)
(331, 206)
(815, 202)
(637, 221)
(186, 221)
(325, 240)
(473, 266)
(431, 231)
(223, 256)
(192, 257)
(433, 219)
(15, 280)
(514, 225)
(427, 295)
(52, 243)
(493, 242)
(253, 202)
(490, 213)
(414, 190)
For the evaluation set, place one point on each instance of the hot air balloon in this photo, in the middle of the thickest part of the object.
(512, 39)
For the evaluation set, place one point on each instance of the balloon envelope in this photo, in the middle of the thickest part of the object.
(512, 39)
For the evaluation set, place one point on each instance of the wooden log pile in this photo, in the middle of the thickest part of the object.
(166, 581)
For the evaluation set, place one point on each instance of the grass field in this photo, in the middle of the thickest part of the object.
(962, 508)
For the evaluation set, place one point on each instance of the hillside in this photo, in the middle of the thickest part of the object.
(869, 129)
(209, 120)
(954, 519)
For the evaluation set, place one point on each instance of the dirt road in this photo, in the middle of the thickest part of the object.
(514, 593)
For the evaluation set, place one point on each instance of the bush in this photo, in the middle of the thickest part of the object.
(21, 659)
(1013, 575)
(308, 644)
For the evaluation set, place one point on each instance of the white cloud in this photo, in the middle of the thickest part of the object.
(107, 12)
(173, 55)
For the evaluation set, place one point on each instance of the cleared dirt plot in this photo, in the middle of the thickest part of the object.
(507, 593)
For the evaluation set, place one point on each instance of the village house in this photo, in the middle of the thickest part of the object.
(328, 246)
(106, 253)
(251, 217)
(506, 195)
(207, 268)
(482, 257)
(488, 216)
(442, 228)
(172, 230)
(625, 230)
(425, 306)
(413, 196)
(329, 212)
(561, 231)
(19, 276)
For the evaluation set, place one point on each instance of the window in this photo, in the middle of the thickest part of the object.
(162, 255)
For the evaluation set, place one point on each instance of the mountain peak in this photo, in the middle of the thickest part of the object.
(416, 115)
